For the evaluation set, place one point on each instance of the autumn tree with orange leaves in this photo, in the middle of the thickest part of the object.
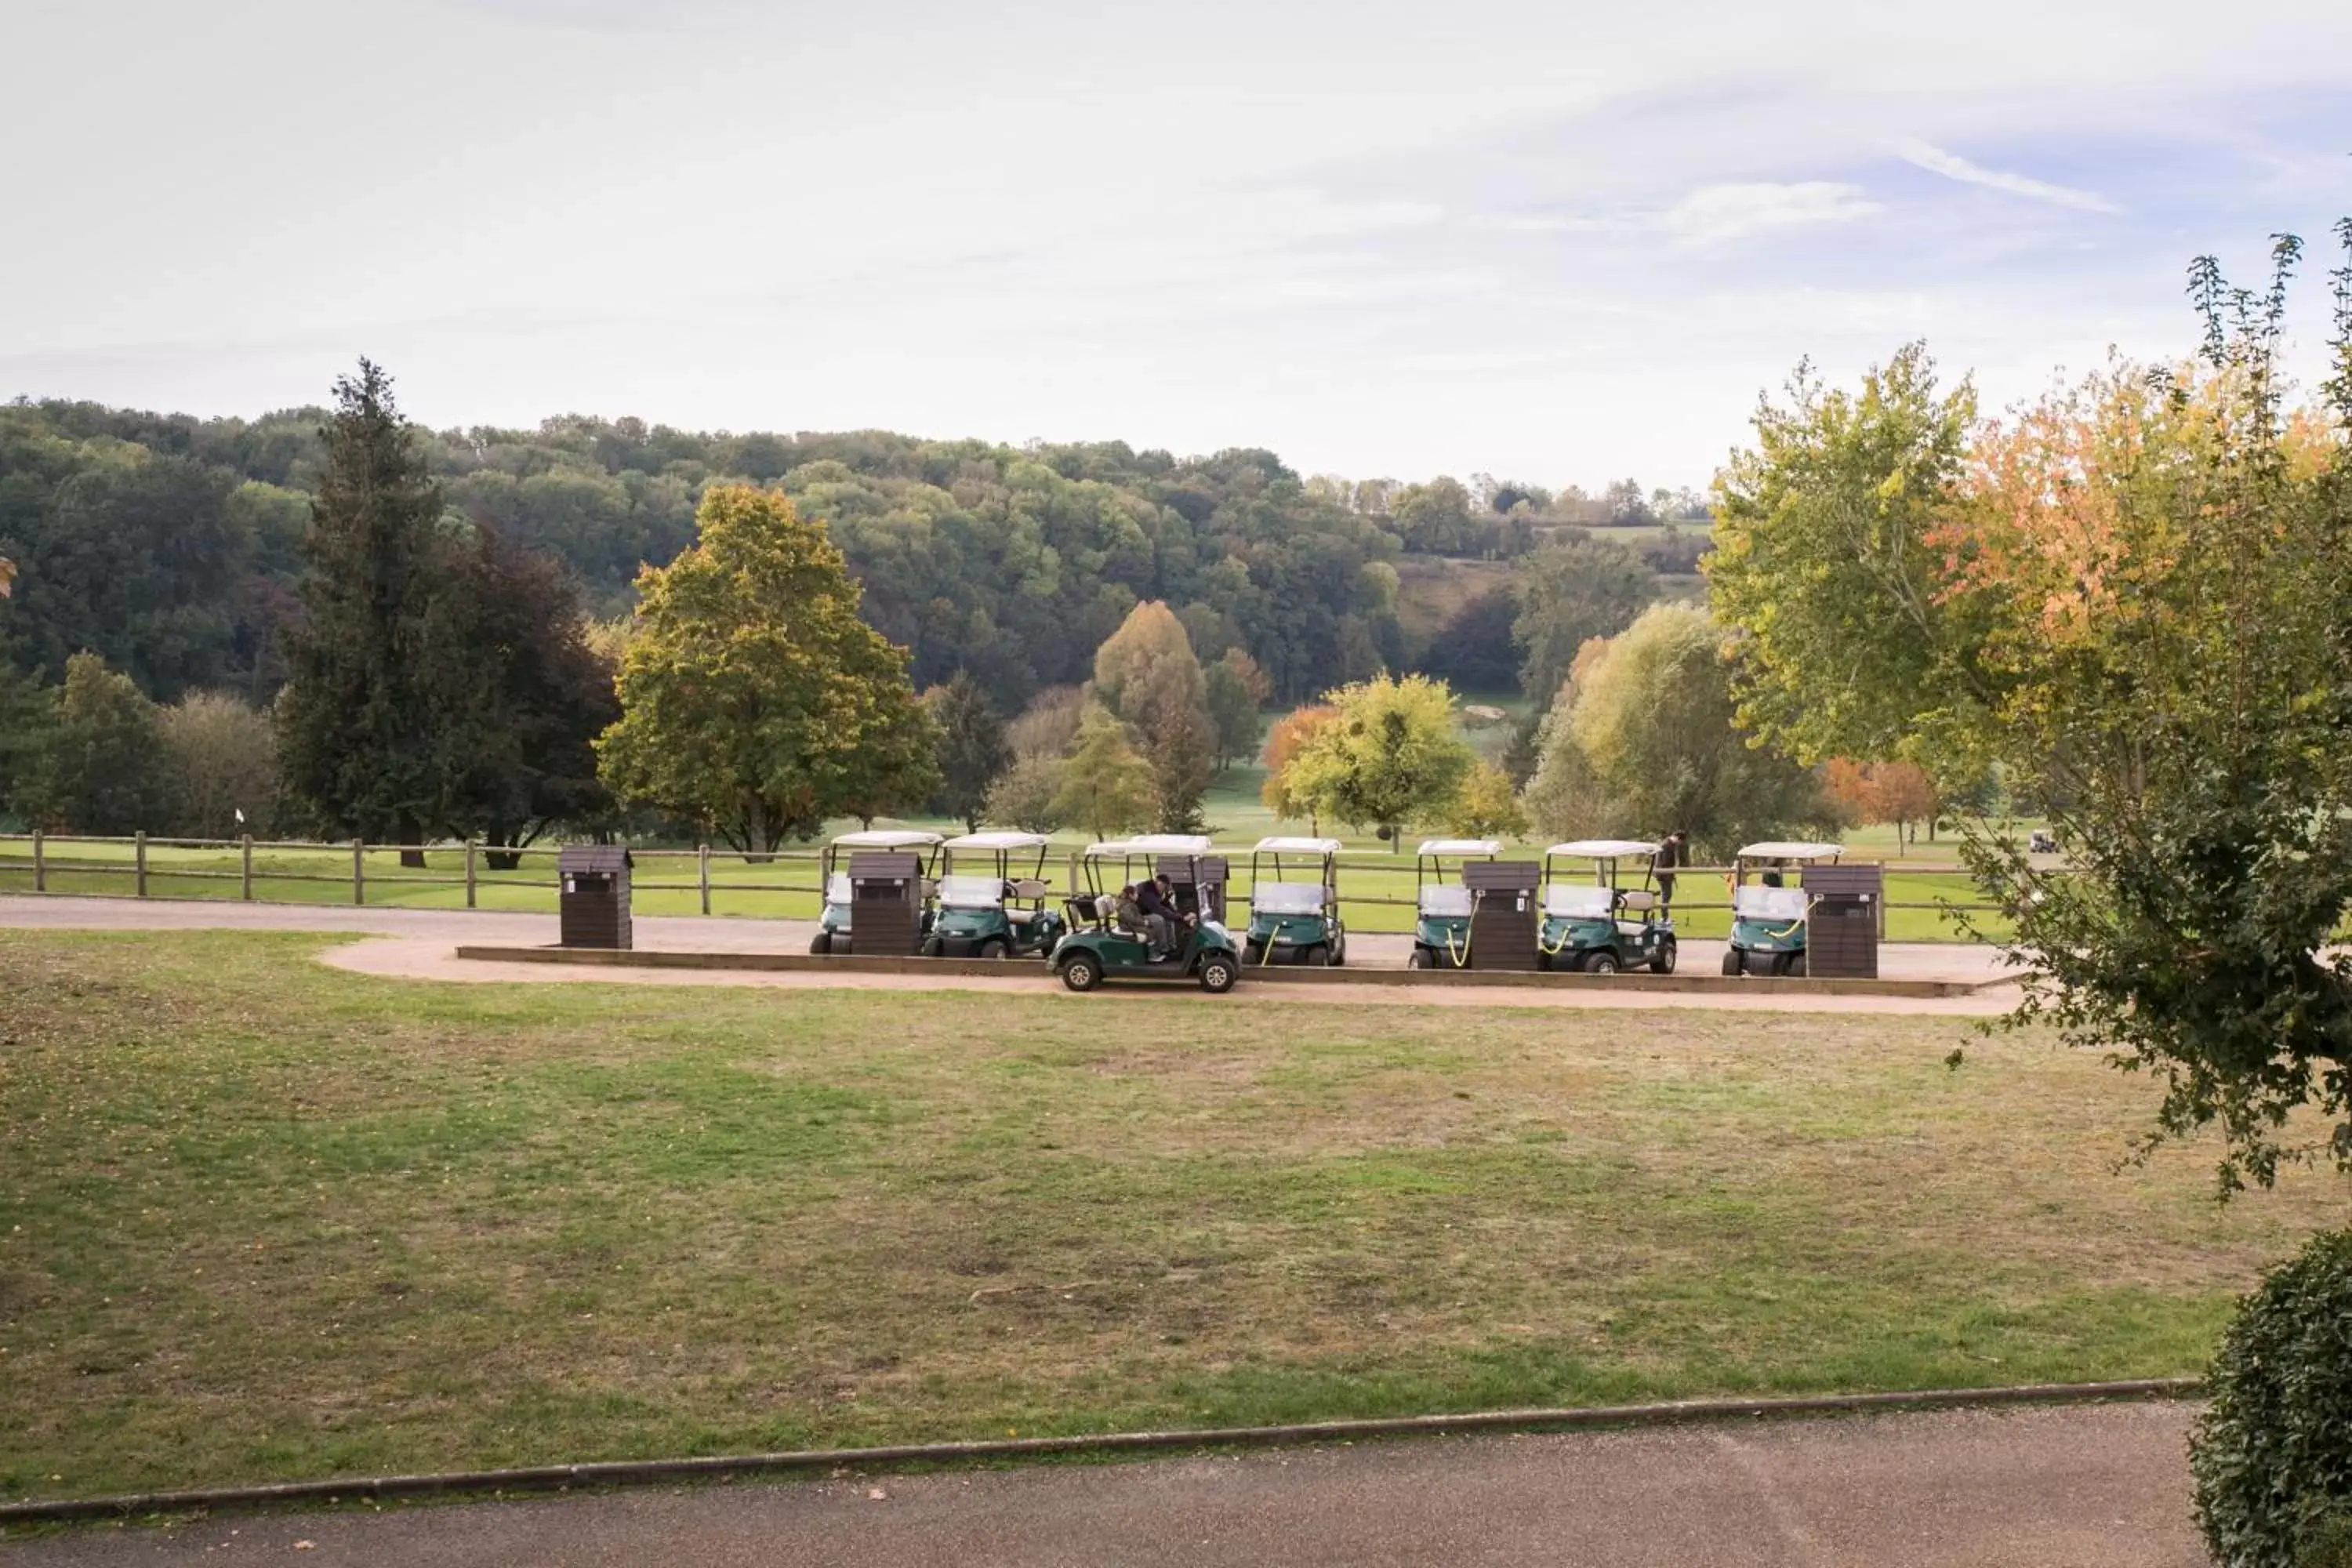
(2134, 596)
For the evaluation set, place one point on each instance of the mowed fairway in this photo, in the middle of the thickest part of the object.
(261, 1219)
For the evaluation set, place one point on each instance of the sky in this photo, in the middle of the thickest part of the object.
(1544, 239)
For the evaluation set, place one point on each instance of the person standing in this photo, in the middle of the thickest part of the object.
(1673, 851)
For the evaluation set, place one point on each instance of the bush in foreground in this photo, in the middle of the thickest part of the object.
(2272, 1453)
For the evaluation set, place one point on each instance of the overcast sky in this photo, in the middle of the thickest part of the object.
(1543, 238)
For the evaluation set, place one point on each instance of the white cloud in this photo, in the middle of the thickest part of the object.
(1718, 215)
(1952, 166)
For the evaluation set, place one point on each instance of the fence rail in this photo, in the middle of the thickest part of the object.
(40, 855)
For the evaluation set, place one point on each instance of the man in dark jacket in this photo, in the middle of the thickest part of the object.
(1159, 917)
(1672, 852)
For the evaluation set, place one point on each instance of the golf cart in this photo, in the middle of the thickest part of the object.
(992, 898)
(1598, 926)
(833, 921)
(1096, 950)
(1294, 920)
(1769, 918)
(1441, 937)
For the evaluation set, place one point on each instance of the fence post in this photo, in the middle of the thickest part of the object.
(358, 871)
(245, 868)
(40, 864)
(469, 873)
(139, 863)
(702, 864)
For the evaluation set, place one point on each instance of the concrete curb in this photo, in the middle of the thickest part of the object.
(1271, 974)
(660, 1472)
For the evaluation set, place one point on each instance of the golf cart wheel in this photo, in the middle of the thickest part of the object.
(995, 947)
(820, 943)
(1731, 962)
(1600, 962)
(1795, 967)
(1218, 974)
(1420, 959)
(1543, 962)
(1663, 963)
(933, 947)
(1339, 953)
(1317, 957)
(1080, 973)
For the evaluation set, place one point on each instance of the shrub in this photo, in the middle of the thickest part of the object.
(2272, 1453)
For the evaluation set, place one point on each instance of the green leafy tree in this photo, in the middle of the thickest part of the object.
(1826, 561)
(363, 735)
(521, 693)
(1568, 594)
(755, 702)
(1646, 742)
(1028, 795)
(1486, 806)
(973, 753)
(1389, 756)
(1106, 786)
(1234, 688)
(104, 771)
(222, 758)
(1145, 674)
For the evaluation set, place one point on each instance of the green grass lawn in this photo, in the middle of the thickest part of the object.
(264, 1219)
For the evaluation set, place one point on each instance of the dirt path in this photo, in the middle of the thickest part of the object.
(2022, 1489)
(418, 944)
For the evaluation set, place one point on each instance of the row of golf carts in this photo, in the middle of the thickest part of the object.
(1603, 904)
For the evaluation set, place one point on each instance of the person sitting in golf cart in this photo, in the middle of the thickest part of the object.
(1157, 899)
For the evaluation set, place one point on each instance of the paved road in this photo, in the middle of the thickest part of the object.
(2085, 1487)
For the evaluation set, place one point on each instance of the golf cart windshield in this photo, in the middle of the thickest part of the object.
(972, 892)
(836, 888)
(1446, 901)
(1768, 903)
(1579, 901)
(1287, 899)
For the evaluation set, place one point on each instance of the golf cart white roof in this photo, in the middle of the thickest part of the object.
(1603, 848)
(994, 839)
(1780, 849)
(1297, 846)
(1485, 847)
(1170, 844)
(887, 838)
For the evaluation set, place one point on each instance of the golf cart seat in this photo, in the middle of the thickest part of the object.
(1028, 892)
(1090, 912)
(1577, 903)
(1287, 899)
(1781, 904)
(1637, 900)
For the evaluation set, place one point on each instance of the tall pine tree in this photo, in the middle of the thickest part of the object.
(360, 737)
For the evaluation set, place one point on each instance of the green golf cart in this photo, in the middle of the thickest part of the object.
(1769, 916)
(1441, 935)
(1096, 950)
(1293, 920)
(832, 934)
(992, 898)
(1595, 923)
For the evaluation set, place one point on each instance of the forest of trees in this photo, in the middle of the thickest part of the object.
(176, 551)
(171, 546)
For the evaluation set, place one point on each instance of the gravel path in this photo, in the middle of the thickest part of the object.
(2066, 1488)
(418, 944)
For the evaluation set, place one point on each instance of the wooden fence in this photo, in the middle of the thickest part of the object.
(137, 865)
